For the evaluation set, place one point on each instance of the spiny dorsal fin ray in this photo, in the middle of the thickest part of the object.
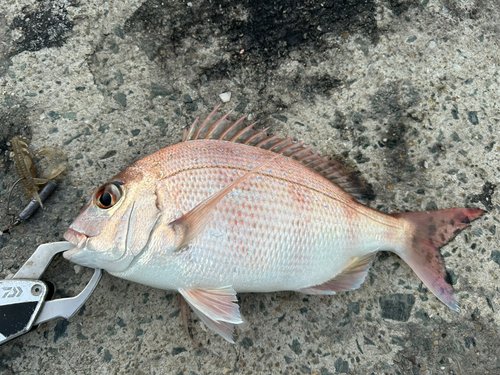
(333, 168)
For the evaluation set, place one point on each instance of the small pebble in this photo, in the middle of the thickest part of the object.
(78, 269)
(225, 96)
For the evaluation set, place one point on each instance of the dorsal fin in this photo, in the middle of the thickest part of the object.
(333, 168)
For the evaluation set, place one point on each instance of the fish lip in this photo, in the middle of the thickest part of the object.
(76, 238)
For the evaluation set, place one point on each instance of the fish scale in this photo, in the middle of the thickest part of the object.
(231, 210)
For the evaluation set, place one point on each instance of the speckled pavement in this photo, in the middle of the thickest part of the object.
(408, 90)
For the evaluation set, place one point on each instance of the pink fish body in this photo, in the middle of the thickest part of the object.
(231, 210)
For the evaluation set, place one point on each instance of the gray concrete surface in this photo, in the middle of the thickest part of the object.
(407, 89)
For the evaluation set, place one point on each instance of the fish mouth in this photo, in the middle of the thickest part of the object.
(76, 238)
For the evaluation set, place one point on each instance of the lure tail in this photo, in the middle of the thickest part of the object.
(429, 231)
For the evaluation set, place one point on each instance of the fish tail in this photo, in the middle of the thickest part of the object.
(430, 230)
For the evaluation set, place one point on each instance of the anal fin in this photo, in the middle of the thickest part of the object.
(350, 278)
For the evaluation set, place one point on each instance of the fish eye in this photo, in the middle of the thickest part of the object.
(108, 195)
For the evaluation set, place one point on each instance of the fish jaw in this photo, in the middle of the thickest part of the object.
(76, 238)
(81, 257)
(86, 255)
(79, 254)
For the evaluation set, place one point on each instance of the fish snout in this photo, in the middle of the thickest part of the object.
(76, 238)
(78, 254)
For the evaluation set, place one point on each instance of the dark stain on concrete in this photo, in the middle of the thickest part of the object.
(473, 10)
(44, 24)
(13, 122)
(259, 37)
(485, 196)
(267, 29)
(5, 46)
(392, 107)
(273, 29)
(60, 329)
(400, 7)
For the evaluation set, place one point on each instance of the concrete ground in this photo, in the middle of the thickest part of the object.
(406, 89)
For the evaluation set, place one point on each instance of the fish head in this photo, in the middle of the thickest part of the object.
(115, 225)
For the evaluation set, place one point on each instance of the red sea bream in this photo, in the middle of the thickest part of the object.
(230, 210)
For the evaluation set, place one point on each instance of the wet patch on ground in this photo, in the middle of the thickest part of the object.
(392, 107)
(485, 196)
(14, 122)
(5, 46)
(268, 31)
(399, 7)
(254, 40)
(44, 24)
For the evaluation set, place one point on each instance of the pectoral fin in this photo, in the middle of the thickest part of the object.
(351, 277)
(217, 308)
(192, 223)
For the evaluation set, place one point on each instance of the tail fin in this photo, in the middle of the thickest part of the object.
(431, 230)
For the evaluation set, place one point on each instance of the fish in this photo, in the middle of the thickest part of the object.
(230, 210)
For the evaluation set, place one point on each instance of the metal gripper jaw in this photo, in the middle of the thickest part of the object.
(23, 297)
